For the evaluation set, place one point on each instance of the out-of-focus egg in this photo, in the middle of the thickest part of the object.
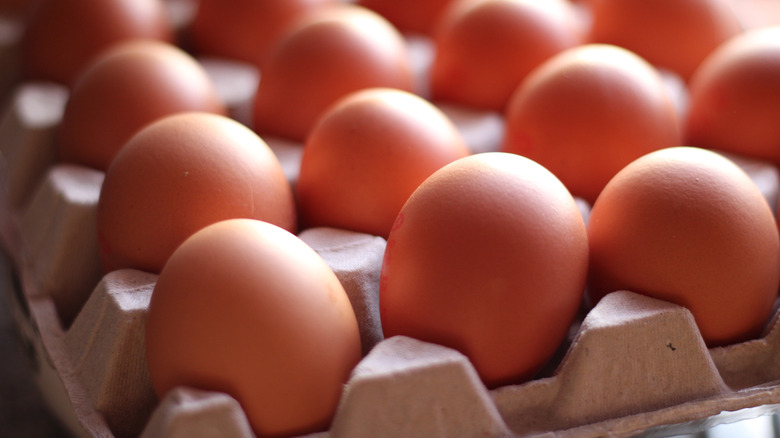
(129, 86)
(417, 16)
(332, 53)
(246, 308)
(688, 226)
(245, 29)
(366, 156)
(180, 174)
(674, 34)
(484, 48)
(587, 112)
(488, 256)
(735, 97)
(63, 36)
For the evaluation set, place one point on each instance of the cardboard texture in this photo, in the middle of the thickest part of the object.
(27, 129)
(59, 238)
(106, 347)
(236, 83)
(633, 365)
(191, 413)
(356, 259)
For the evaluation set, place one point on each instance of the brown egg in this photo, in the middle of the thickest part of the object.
(246, 308)
(484, 48)
(488, 256)
(63, 36)
(245, 29)
(735, 97)
(587, 112)
(688, 226)
(367, 154)
(673, 34)
(332, 53)
(130, 85)
(180, 174)
(418, 16)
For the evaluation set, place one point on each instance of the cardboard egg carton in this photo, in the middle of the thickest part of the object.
(635, 364)
(631, 365)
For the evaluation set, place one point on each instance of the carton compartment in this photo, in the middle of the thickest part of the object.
(633, 365)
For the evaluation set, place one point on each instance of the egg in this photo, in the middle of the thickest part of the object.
(245, 29)
(735, 97)
(328, 55)
(674, 34)
(587, 112)
(367, 154)
(246, 308)
(62, 37)
(410, 16)
(488, 256)
(484, 48)
(686, 225)
(180, 174)
(127, 87)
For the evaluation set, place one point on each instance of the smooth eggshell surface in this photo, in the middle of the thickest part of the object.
(366, 156)
(127, 87)
(587, 112)
(688, 226)
(672, 34)
(484, 49)
(63, 36)
(488, 256)
(247, 308)
(735, 97)
(330, 54)
(245, 30)
(178, 175)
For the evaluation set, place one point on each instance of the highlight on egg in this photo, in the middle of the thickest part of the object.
(488, 256)
(688, 226)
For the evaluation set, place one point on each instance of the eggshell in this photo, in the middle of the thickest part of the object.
(735, 97)
(485, 48)
(245, 30)
(328, 55)
(412, 16)
(246, 308)
(488, 256)
(688, 226)
(673, 34)
(587, 112)
(367, 154)
(63, 36)
(132, 84)
(176, 176)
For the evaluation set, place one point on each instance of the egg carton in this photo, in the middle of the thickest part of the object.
(631, 365)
